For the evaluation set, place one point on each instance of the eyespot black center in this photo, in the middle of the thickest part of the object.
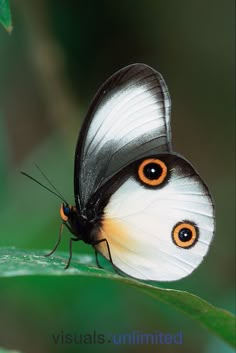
(185, 234)
(152, 171)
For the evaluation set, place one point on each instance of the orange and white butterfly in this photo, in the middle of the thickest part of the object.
(139, 204)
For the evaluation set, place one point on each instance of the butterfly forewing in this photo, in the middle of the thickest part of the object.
(128, 118)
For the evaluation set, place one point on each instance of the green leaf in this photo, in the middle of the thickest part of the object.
(5, 15)
(27, 263)
(3, 350)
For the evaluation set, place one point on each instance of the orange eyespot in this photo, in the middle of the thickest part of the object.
(64, 212)
(152, 171)
(185, 234)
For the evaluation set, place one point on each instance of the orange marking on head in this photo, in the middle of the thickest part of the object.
(62, 214)
(145, 179)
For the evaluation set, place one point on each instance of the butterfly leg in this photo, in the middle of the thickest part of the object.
(109, 253)
(96, 257)
(58, 241)
(70, 251)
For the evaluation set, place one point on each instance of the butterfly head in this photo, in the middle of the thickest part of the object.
(65, 212)
(70, 218)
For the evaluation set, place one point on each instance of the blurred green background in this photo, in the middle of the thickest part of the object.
(50, 67)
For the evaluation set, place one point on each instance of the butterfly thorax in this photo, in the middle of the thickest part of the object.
(83, 225)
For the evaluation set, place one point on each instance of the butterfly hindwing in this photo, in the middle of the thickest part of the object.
(142, 223)
(128, 118)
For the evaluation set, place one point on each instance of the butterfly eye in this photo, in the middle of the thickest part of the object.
(65, 212)
(152, 171)
(185, 234)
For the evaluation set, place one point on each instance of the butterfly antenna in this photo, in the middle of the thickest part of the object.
(48, 180)
(45, 187)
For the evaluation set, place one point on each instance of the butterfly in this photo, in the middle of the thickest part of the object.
(138, 203)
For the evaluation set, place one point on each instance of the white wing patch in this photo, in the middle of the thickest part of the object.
(138, 224)
(121, 117)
